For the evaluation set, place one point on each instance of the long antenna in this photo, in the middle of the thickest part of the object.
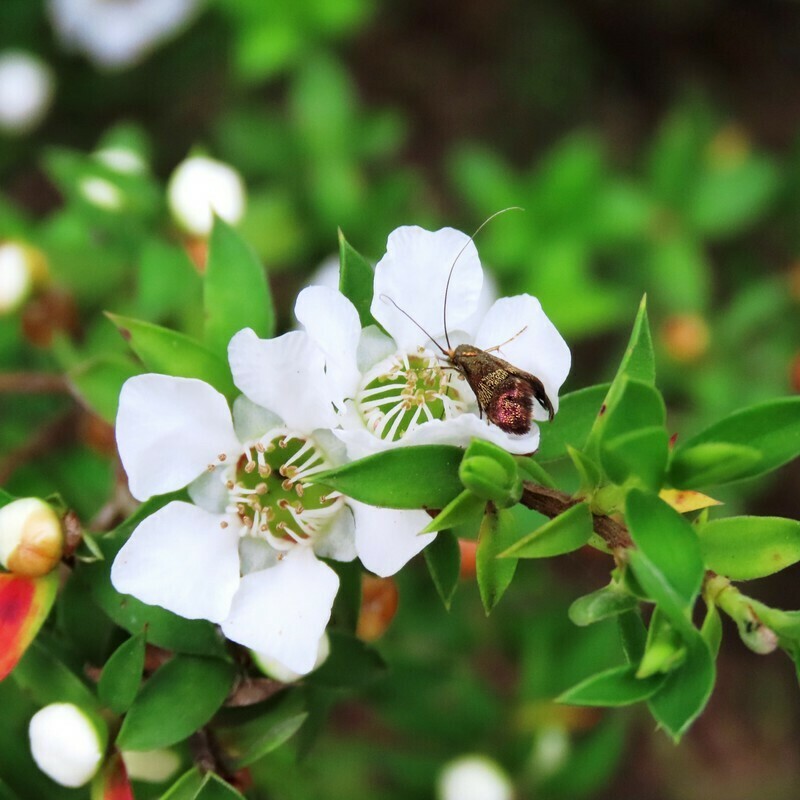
(455, 260)
(386, 297)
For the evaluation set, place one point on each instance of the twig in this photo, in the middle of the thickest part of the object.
(552, 502)
(33, 383)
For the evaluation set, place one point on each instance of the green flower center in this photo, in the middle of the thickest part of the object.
(271, 490)
(404, 392)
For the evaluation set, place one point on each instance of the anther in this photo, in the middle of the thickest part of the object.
(212, 467)
(229, 485)
(223, 525)
(262, 488)
(249, 466)
(260, 447)
(222, 457)
(265, 470)
(298, 487)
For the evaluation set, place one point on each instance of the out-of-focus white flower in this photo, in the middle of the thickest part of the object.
(152, 766)
(118, 33)
(279, 672)
(26, 89)
(67, 744)
(474, 777)
(122, 160)
(16, 276)
(201, 187)
(394, 392)
(31, 537)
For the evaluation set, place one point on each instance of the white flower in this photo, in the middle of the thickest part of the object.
(118, 33)
(245, 554)
(26, 89)
(66, 744)
(474, 777)
(277, 671)
(400, 390)
(201, 187)
(16, 276)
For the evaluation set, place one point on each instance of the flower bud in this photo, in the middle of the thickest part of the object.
(16, 277)
(277, 671)
(151, 766)
(26, 88)
(379, 600)
(31, 537)
(474, 777)
(67, 743)
(491, 473)
(757, 636)
(201, 187)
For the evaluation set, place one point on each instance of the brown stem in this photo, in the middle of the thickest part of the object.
(552, 502)
(32, 383)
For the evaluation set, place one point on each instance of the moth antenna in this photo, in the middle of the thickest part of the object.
(386, 298)
(455, 261)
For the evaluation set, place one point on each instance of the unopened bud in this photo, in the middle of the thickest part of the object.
(491, 473)
(151, 766)
(474, 777)
(757, 636)
(273, 668)
(67, 743)
(16, 276)
(686, 337)
(379, 601)
(201, 187)
(31, 537)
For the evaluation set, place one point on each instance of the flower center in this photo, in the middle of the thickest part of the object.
(406, 391)
(272, 494)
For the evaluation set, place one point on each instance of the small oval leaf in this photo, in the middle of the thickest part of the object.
(562, 534)
(618, 686)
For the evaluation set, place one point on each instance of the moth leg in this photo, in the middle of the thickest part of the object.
(498, 346)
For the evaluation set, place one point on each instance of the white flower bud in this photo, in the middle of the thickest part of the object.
(26, 88)
(122, 160)
(102, 193)
(67, 744)
(152, 766)
(474, 777)
(277, 671)
(16, 276)
(201, 187)
(31, 537)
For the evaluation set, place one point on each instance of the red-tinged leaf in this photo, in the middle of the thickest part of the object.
(24, 606)
(112, 782)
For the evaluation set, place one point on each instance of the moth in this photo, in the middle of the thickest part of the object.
(505, 393)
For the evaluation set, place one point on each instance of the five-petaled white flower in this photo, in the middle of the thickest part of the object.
(398, 390)
(245, 553)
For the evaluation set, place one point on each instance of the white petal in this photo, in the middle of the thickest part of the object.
(209, 491)
(332, 322)
(536, 346)
(338, 540)
(386, 539)
(285, 375)
(373, 347)
(251, 421)
(255, 555)
(169, 430)
(413, 274)
(181, 559)
(282, 611)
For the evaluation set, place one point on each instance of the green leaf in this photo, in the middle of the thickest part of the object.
(562, 534)
(443, 557)
(491, 473)
(404, 477)
(164, 629)
(610, 601)
(632, 634)
(498, 532)
(618, 686)
(122, 675)
(98, 383)
(195, 785)
(356, 278)
(745, 444)
(247, 742)
(347, 605)
(712, 629)
(686, 690)
(638, 363)
(641, 455)
(743, 548)
(236, 292)
(664, 650)
(179, 698)
(532, 470)
(172, 353)
(588, 471)
(464, 508)
(351, 664)
(577, 412)
(669, 545)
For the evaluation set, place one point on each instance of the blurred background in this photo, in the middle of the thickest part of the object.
(655, 148)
